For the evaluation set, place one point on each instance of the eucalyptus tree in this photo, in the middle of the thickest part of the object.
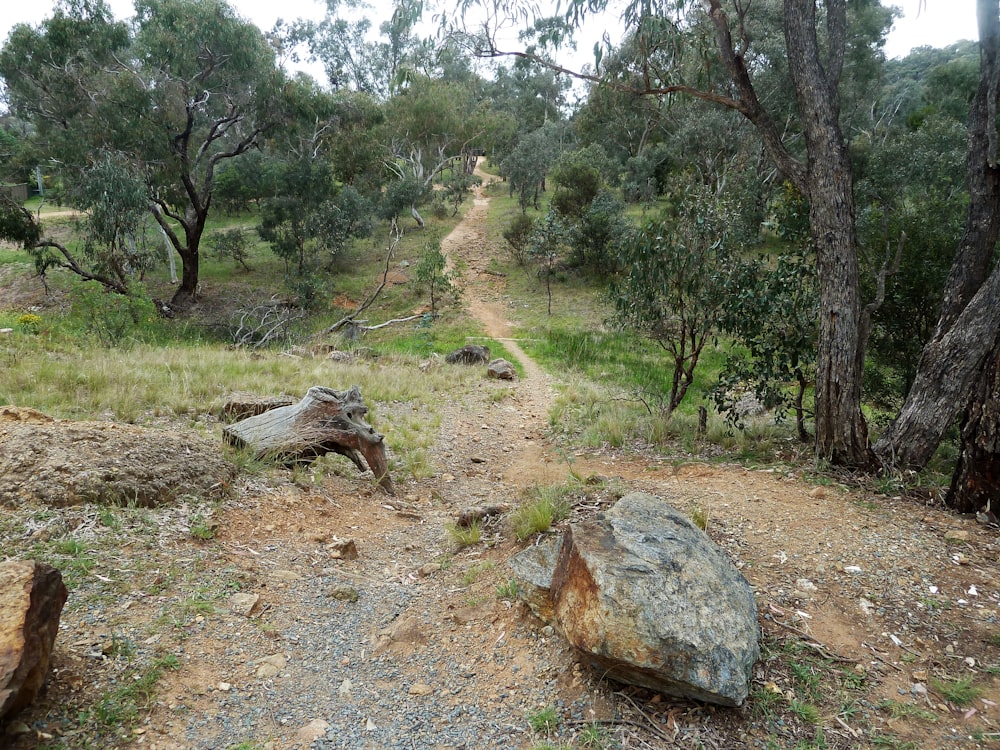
(821, 48)
(527, 165)
(431, 125)
(353, 56)
(185, 87)
(964, 348)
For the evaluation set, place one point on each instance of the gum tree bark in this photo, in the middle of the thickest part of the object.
(953, 360)
(977, 476)
(841, 431)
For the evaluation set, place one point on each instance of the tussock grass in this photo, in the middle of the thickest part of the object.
(464, 536)
(544, 507)
(960, 691)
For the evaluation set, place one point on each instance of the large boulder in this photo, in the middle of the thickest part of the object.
(648, 599)
(32, 596)
(470, 354)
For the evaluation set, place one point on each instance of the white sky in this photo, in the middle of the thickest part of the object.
(936, 23)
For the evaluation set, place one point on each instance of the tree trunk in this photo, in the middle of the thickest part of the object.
(946, 376)
(324, 421)
(953, 358)
(976, 480)
(841, 432)
(416, 215)
(187, 292)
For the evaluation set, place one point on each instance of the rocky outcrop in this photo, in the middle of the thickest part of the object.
(649, 600)
(32, 595)
(472, 354)
(501, 369)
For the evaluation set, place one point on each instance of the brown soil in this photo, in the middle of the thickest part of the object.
(875, 596)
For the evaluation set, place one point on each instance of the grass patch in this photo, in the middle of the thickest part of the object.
(464, 536)
(122, 707)
(961, 692)
(699, 517)
(594, 737)
(544, 720)
(545, 507)
(900, 710)
(807, 712)
(471, 575)
(508, 590)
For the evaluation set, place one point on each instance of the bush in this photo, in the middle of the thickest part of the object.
(113, 319)
(597, 237)
(234, 245)
(518, 235)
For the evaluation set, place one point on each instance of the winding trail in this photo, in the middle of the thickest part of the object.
(469, 250)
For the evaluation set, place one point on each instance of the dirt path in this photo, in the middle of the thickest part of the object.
(865, 599)
(469, 248)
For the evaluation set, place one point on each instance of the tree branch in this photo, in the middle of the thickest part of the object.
(396, 235)
(71, 264)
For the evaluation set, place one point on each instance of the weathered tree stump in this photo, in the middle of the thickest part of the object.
(324, 421)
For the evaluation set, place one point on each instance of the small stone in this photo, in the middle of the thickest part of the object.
(345, 549)
(285, 575)
(501, 369)
(312, 731)
(345, 689)
(225, 687)
(956, 535)
(270, 666)
(266, 671)
(920, 675)
(370, 726)
(804, 584)
(243, 604)
(343, 593)
(420, 688)
(855, 569)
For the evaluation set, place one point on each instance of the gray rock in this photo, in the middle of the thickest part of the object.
(501, 369)
(472, 354)
(533, 568)
(650, 600)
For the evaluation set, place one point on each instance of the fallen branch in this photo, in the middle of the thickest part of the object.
(351, 319)
(477, 513)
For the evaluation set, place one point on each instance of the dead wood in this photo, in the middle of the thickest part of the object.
(478, 513)
(324, 421)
